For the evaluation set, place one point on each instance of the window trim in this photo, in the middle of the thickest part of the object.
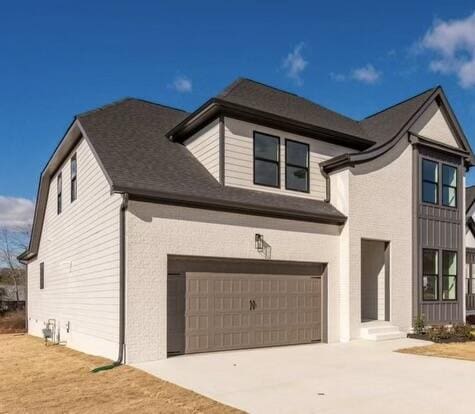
(59, 193)
(449, 186)
(74, 179)
(42, 275)
(431, 182)
(287, 164)
(254, 158)
(447, 275)
(431, 275)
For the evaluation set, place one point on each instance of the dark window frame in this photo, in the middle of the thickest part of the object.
(74, 179)
(59, 196)
(430, 182)
(287, 164)
(42, 275)
(449, 186)
(436, 275)
(254, 159)
(441, 270)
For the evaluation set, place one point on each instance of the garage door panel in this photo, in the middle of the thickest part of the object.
(234, 311)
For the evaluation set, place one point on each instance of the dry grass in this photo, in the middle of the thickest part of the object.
(54, 379)
(12, 322)
(462, 350)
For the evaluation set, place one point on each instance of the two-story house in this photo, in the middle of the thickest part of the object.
(260, 219)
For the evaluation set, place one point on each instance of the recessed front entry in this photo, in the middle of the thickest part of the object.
(211, 311)
(374, 280)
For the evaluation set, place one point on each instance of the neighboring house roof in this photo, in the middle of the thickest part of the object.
(138, 146)
(469, 197)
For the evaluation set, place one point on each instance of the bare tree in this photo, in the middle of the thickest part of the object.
(12, 243)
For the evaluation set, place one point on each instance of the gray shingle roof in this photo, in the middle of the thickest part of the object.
(129, 139)
(384, 125)
(256, 95)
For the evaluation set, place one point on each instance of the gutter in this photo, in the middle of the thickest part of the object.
(120, 356)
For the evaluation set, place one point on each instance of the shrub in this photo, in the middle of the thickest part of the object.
(471, 319)
(419, 324)
(462, 330)
(438, 332)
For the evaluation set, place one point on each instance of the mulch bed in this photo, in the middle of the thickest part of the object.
(425, 337)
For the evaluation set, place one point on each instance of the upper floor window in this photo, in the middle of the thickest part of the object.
(449, 186)
(74, 182)
(430, 182)
(296, 166)
(266, 160)
(59, 182)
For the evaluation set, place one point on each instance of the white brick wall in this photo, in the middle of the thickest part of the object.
(155, 231)
(381, 209)
(80, 251)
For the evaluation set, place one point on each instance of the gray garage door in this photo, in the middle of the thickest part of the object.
(223, 311)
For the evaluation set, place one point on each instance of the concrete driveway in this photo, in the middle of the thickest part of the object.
(357, 377)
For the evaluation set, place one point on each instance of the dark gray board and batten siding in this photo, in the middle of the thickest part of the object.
(440, 228)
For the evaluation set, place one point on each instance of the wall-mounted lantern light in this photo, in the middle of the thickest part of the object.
(259, 242)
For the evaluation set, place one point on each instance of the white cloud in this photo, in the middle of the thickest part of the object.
(16, 212)
(182, 84)
(366, 74)
(294, 64)
(453, 43)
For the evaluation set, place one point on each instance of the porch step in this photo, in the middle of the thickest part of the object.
(382, 332)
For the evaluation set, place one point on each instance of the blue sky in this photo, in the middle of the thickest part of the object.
(59, 58)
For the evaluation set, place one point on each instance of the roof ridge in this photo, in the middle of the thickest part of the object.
(433, 89)
(240, 79)
(122, 100)
(234, 84)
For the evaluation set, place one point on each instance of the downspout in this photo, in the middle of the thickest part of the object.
(120, 357)
(327, 184)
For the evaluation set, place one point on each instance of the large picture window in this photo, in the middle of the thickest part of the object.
(296, 166)
(430, 274)
(449, 275)
(430, 182)
(266, 160)
(449, 186)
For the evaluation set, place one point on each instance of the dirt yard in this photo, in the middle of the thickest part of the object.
(12, 322)
(464, 350)
(54, 379)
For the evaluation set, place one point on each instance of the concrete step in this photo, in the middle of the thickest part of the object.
(384, 336)
(383, 331)
(378, 329)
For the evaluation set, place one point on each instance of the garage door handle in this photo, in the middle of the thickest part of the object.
(252, 305)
